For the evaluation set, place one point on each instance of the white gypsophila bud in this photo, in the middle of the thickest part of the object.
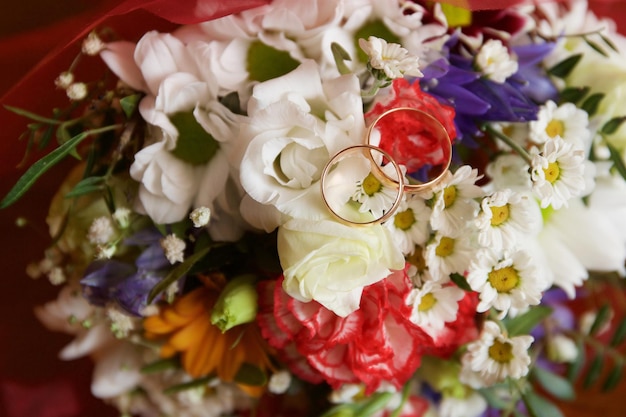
(122, 217)
(56, 276)
(562, 349)
(76, 91)
(173, 248)
(121, 324)
(200, 216)
(279, 382)
(33, 270)
(64, 80)
(149, 310)
(92, 44)
(105, 251)
(101, 231)
(345, 393)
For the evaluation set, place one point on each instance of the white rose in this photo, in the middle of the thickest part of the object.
(297, 123)
(331, 263)
(168, 185)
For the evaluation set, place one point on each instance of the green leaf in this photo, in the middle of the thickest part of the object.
(601, 318)
(199, 382)
(595, 47)
(619, 334)
(86, 186)
(177, 273)
(250, 375)
(612, 125)
(575, 367)
(614, 377)
(340, 55)
(39, 168)
(493, 399)
(563, 68)
(160, 365)
(265, 62)
(590, 105)
(609, 43)
(32, 116)
(129, 104)
(376, 402)
(554, 384)
(539, 406)
(618, 162)
(194, 145)
(595, 369)
(460, 282)
(526, 322)
(574, 94)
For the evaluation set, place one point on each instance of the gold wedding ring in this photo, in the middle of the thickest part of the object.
(427, 129)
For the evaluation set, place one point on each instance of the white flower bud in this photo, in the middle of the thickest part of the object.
(92, 45)
(77, 91)
(173, 248)
(279, 382)
(200, 216)
(64, 80)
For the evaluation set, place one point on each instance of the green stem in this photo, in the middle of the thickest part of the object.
(510, 142)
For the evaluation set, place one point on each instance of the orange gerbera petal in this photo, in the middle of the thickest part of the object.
(186, 323)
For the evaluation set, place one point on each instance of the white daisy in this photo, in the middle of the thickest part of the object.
(454, 203)
(557, 173)
(409, 225)
(373, 195)
(566, 121)
(495, 62)
(447, 254)
(494, 357)
(505, 218)
(433, 305)
(391, 58)
(507, 281)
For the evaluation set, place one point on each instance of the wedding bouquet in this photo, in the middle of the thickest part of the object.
(342, 208)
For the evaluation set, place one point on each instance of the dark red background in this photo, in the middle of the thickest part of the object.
(33, 382)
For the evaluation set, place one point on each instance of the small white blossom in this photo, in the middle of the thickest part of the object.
(174, 248)
(391, 58)
(433, 305)
(64, 80)
(472, 405)
(56, 276)
(200, 216)
(122, 217)
(101, 231)
(409, 224)
(92, 44)
(454, 204)
(121, 323)
(346, 393)
(558, 173)
(566, 121)
(494, 357)
(561, 349)
(495, 62)
(76, 91)
(105, 251)
(279, 382)
(508, 281)
(505, 218)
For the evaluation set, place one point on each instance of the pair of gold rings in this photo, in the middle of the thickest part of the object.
(417, 132)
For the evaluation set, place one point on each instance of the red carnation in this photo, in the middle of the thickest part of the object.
(411, 142)
(376, 343)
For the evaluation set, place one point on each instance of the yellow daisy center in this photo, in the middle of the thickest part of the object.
(555, 128)
(371, 185)
(427, 302)
(404, 220)
(445, 247)
(499, 214)
(552, 173)
(501, 352)
(504, 279)
(449, 195)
